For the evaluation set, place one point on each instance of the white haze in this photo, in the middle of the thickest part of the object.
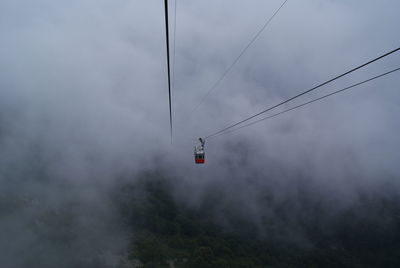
(83, 94)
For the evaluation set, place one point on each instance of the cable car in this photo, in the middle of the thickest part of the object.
(199, 152)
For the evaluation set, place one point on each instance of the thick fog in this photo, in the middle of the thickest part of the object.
(84, 102)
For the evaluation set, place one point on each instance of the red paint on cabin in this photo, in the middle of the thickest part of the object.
(199, 161)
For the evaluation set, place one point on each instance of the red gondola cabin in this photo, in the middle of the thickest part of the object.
(199, 153)
(199, 157)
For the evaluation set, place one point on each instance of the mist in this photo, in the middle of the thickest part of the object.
(84, 111)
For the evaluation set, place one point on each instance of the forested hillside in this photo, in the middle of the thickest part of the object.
(168, 233)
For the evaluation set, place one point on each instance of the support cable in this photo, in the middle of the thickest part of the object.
(308, 102)
(305, 92)
(255, 37)
(168, 65)
(174, 49)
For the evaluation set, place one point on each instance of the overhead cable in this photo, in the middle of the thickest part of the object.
(174, 49)
(252, 40)
(305, 92)
(308, 102)
(168, 65)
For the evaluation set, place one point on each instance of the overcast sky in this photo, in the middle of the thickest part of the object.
(85, 83)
